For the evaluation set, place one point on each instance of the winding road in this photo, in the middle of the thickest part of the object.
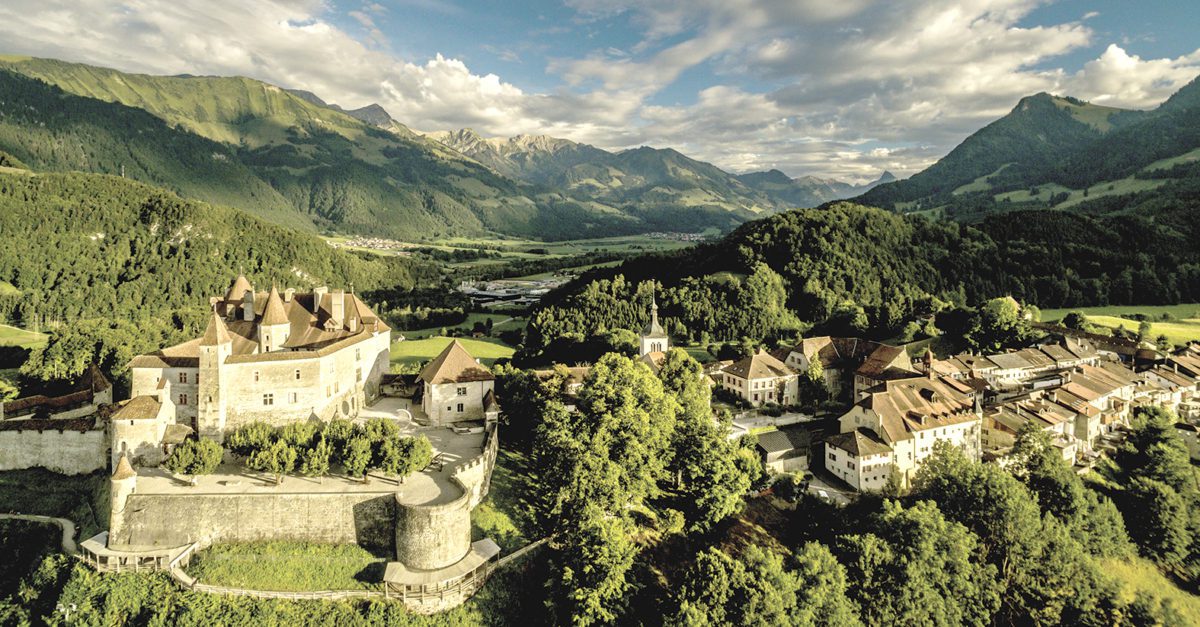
(68, 528)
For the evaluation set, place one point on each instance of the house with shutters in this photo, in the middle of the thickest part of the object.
(457, 388)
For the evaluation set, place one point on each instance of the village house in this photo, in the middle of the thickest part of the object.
(61, 430)
(457, 388)
(910, 415)
(760, 379)
(860, 459)
(1002, 423)
(785, 449)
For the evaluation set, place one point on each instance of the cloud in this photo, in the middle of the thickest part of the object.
(841, 89)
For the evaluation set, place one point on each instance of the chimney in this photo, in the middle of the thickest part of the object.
(248, 306)
(318, 294)
(337, 307)
(288, 294)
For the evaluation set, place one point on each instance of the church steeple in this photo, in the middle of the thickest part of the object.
(654, 338)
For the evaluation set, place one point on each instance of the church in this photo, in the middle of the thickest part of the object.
(268, 356)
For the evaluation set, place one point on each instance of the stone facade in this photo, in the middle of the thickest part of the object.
(271, 358)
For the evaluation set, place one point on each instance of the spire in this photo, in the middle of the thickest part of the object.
(215, 333)
(653, 329)
(274, 313)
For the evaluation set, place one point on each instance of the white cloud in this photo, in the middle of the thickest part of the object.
(841, 88)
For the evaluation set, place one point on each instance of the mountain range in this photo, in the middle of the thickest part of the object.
(289, 157)
(1062, 153)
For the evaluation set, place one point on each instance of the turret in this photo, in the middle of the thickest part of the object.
(234, 298)
(122, 484)
(274, 328)
(215, 347)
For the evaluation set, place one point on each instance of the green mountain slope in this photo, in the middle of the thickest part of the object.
(1060, 153)
(95, 246)
(50, 130)
(334, 170)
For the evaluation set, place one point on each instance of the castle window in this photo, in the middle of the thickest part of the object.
(183, 377)
(460, 408)
(297, 374)
(256, 376)
(462, 390)
(292, 398)
(268, 399)
(183, 399)
(357, 354)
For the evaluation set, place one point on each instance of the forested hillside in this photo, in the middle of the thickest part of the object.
(117, 267)
(1059, 153)
(856, 269)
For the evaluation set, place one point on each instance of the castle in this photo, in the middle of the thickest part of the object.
(264, 356)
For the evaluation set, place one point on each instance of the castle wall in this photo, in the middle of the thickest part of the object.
(167, 520)
(66, 452)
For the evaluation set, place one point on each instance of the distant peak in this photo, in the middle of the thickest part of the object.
(886, 177)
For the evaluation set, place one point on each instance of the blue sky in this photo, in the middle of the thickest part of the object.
(843, 88)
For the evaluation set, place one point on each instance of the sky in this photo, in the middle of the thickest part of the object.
(832, 88)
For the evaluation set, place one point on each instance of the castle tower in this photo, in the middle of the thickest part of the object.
(236, 295)
(215, 347)
(122, 484)
(654, 339)
(274, 328)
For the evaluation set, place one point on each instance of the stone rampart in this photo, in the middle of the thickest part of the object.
(69, 451)
(166, 520)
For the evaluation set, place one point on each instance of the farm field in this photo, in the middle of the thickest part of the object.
(500, 322)
(12, 336)
(1183, 329)
(412, 352)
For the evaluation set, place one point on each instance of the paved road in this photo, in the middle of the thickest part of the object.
(68, 528)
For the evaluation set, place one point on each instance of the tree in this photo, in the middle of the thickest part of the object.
(593, 558)
(195, 457)
(1041, 467)
(314, 462)
(822, 597)
(999, 324)
(278, 459)
(250, 438)
(704, 468)
(356, 456)
(1164, 532)
(1144, 331)
(753, 588)
(403, 456)
(916, 567)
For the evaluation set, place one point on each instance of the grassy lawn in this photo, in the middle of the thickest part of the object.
(83, 500)
(289, 566)
(12, 336)
(502, 516)
(500, 322)
(486, 350)
(699, 353)
(1139, 575)
(1180, 331)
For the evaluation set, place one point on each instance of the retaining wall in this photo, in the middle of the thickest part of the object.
(68, 452)
(164, 520)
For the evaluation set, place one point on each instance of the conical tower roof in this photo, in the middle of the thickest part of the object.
(215, 333)
(124, 470)
(274, 312)
(238, 289)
